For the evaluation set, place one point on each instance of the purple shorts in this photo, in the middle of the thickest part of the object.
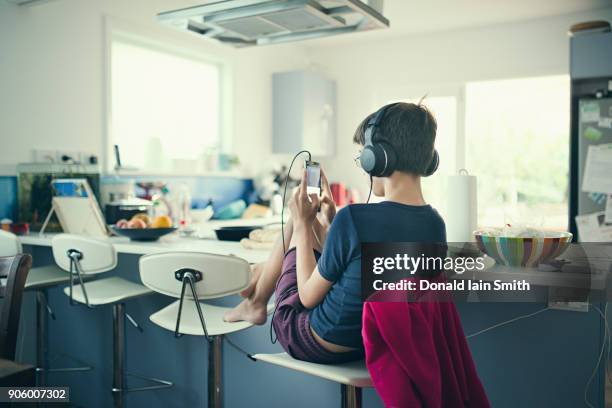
(291, 321)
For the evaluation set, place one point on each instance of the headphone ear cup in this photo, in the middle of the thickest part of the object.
(433, 165)
(388, 159)
(367, 159)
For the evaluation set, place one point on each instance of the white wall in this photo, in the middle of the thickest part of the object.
(52, 81)
(369, 74)
(52, 76)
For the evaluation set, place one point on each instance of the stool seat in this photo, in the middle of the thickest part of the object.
(46, 276)
(108, 290)
(190, 321)
(354, 373)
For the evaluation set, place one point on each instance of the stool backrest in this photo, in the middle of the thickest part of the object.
(97, 255)
(13, 274)
(9, 244)
(221, 275)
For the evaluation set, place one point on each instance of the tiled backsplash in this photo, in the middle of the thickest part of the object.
(222, 190)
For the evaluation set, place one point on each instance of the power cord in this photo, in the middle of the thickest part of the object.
(607, 341)
(239, 349)
(604, 316)
(478, 333)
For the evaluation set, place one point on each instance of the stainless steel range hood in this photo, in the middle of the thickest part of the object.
(257, 22)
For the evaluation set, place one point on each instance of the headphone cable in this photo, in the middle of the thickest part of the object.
(370, 193)
(277, 301)
(285, 195)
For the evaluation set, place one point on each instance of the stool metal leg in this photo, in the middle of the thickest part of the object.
(41, 338)
(118, 354)
(215, 364)
(350, 396)
(120, 374)
(43, 310)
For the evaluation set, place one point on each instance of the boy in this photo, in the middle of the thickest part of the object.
(318, 295)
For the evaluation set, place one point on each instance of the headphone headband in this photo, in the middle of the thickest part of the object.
(378, 158)
(374, 122)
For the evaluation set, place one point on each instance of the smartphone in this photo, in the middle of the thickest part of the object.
(313, 177)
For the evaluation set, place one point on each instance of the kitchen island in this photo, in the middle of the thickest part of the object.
(547, 343)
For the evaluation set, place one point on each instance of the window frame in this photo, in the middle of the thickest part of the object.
(113, 31)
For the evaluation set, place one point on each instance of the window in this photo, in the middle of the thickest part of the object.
(165, 107)
(517, 143)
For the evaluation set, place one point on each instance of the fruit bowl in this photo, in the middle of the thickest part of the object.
(143, 234)
(525, 250)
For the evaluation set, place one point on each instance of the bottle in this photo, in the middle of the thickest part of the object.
(184, 207)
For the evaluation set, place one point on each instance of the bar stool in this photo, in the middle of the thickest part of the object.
(84, 256)
(208, 276)
(39, 280)
(352, 377)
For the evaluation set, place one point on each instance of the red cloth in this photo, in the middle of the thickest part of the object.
(417, 355)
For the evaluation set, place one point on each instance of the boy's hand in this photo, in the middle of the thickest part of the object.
(303, 207)
(328, 206)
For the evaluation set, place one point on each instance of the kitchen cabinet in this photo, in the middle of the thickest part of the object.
(591, 55)
(303, 113)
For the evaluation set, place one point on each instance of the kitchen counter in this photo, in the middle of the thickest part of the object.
(587, 267)
(204, 240)
(166, 244)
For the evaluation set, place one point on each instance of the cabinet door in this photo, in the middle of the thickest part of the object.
(591, 56)
(319, 115)
(287, 112)
(304, 113)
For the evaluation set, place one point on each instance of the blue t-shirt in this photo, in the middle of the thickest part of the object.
(337, 318)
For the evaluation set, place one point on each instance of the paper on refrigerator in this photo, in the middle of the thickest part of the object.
(592, 228)
(608, 216)
(598, 169)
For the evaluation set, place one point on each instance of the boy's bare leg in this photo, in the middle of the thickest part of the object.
(256, 270)
(254, 308)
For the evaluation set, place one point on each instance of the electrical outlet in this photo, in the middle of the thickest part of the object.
(73, 154)
(44, 156)
(565, 299)
(569, 306)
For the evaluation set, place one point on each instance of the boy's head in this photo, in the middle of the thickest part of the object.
(410, 130)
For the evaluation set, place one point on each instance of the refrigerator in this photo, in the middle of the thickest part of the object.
(592, 128)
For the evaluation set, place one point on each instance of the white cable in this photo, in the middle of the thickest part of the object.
(607, 339)
(604, 316)
(601, 352)
(505, 323)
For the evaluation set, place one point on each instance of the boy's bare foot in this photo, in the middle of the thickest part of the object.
(255, 272)
(248, 311)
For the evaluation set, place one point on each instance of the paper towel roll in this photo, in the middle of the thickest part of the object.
(462, 208)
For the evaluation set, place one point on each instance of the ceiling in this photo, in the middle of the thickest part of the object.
(423, 16)
(408, 16)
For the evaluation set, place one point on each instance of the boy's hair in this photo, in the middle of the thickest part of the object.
(410, 129)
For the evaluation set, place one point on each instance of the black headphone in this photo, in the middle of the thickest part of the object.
(378, 158)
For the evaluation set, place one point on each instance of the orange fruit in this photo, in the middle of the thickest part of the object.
(162, 221)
